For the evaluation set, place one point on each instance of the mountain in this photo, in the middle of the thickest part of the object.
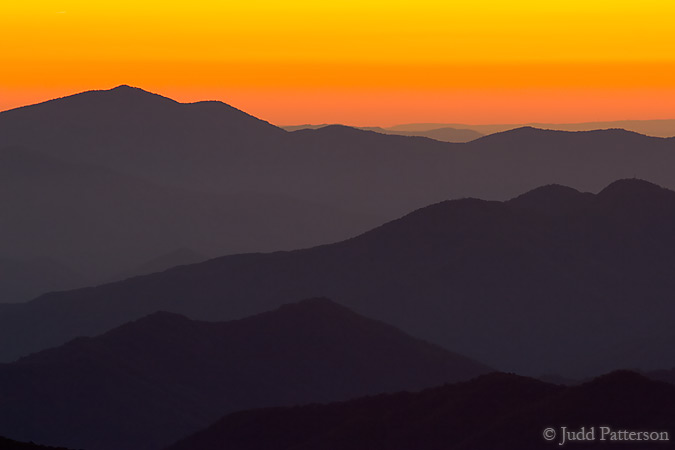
(656, 128)
(101, 223)
(243, 185)
(496, 411)
(554, 281)
(213, 147)
(667, 375)
(147, 383)
(178, 257)
(617, 401)
(136, 132)
(8, 444)
(24, 280)
(444, 134)
(393, 174)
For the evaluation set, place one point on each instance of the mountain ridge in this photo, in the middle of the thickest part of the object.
(104, 224)
(496, 411)
(146, 383)
(434, 273)
(370, 173)
(649, 127)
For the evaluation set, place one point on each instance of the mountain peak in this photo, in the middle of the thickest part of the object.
(127, 92)
(547, 191)
(313, 310)
(552, 199)
(516, 135)
(632, 187)
(130, 382)
(123, 87)
(320, 309)
(340, 129)
(522, 135)
(93, 103)
(336, 130)
(620, 377)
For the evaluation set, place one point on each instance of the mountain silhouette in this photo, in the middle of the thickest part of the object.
(23, 280)
(178, 257)
(444, 134)
(395, 174)
(149, 382)
(656, 128)
(554, 200)
(509, 283)
(621, 401)
(213, 147)
(264, 188)
(135, 132)
(102, 224)
(496, 411)
(9, 444)
(667, 375)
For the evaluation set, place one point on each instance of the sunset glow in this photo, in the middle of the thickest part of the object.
(360, 63)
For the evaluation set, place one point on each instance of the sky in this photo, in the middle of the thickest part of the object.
(354, 62)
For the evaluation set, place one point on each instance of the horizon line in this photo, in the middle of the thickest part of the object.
(440, 124)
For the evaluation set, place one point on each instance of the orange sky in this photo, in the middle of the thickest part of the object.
(354, 62)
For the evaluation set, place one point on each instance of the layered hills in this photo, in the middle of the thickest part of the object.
(149, 382)
(99, 223)
(101, 170)
(496, 411)
(554, 281)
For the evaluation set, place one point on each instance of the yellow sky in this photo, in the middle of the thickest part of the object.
(359, 62)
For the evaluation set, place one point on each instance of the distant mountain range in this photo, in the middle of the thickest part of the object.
(552, 282)
(24, 280)
(178, 257)
(496, 412)
(147, 383)
(656, 128)
(96, 224)
(210, 146)
(180, 213)
(103, 181)
(459, 132)
(443, 134)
